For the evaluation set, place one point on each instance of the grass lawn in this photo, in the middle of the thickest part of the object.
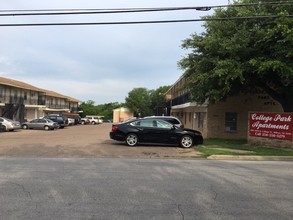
(238, 147)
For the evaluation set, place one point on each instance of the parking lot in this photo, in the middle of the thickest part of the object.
(81, 141)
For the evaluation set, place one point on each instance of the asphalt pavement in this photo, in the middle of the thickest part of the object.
(117, 188)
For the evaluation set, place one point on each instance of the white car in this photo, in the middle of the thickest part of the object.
(93, 119)
(71, 121)
(8, 124)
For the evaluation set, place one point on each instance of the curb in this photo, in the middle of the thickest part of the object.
(255, 158)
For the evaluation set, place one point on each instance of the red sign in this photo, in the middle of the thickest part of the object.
(271, 125)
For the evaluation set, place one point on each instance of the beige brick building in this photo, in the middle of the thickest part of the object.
(36, 102)
(224, 119)
(121, 114)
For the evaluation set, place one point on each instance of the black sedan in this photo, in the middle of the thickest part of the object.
(154, 131)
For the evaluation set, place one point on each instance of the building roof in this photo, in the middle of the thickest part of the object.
(19, 84)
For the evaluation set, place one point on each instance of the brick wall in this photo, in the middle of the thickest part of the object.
(214, 121)
(240, 104)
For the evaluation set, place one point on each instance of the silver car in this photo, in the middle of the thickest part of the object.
(8, 124)
(43, 124)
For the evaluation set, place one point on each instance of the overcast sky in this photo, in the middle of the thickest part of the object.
(99, 63)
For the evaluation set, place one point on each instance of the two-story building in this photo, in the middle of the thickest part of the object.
(223, 119)
(23, 101)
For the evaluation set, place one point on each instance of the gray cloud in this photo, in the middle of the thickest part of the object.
(100, 63)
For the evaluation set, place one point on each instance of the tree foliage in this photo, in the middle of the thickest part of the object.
(144, 102)
(237, 55)
(158, 100)
(106, 110)
(139, 101)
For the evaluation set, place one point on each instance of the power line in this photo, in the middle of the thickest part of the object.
(100, 11)
(41, 12)
(141, 22)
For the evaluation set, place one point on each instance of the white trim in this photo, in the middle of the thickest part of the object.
(34, 106)
(189, 104)
(56, 110)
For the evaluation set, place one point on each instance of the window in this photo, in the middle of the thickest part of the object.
(200, 116)
(1, 91)
(146, 123)
(230, 121)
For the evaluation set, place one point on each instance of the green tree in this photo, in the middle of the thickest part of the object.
(88, 108)
(106, 110)
(235, 55)
(158, 100)
(139, 101)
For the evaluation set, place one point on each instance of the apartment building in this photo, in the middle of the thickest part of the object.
(22, 101)
(224, 119)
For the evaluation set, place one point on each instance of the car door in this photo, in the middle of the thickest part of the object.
(165, 132)
(151, 133)
(40, 123)
(33, 123)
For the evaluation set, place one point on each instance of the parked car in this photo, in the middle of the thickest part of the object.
(43, 123)
(60, 119)
(75, 116)
(8, 124)
(71, 121)
(171, 119)
(153, 130)
(84, 121)
(93, 119)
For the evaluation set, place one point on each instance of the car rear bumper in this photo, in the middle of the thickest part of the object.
(117, 136)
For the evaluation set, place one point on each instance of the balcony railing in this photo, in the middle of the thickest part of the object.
(185, 98)
(31, 101)
(75, 109)
(57, 106)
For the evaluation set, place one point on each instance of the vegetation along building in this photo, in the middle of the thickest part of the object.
(22, 101)
(223, 119)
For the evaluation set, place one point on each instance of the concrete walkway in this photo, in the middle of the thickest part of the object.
(245, 157)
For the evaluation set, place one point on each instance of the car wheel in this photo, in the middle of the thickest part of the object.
(186, 141)
(47, 128)
(25, 127)
(93, 123)
(3, 128)
(131, 140)
(82, 122)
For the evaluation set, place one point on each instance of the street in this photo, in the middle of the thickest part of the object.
(121, 188)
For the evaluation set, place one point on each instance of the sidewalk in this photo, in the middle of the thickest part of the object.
(255, 158)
